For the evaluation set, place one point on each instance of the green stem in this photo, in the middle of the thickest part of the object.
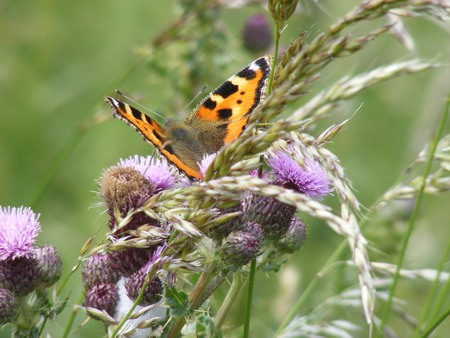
(277, 36)
(248, 309)
(432, 294)
(434, 142)
(300, 302)
(72, 316)
(238, 281)
(436, 323)
(193, 300)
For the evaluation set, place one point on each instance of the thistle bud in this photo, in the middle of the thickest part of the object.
(8, 306)
(99, 269)
(294, 237)
(241, 246)
(49, 265)
(103, 297)
(257, 34)
(273, 215)
(153, 291)
(130, 260)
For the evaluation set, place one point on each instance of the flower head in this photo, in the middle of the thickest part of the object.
(312, 182)
(18, 230)
(153, 291)
(257, 33)
(8, 306)
(20, 275)
(103, 297)
(49, 265)
(294, 237)
(154, 170)
(126, 189)
(100, 269)
(206, 162)
(241, 246)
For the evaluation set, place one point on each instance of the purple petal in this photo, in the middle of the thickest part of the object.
(156, 171)
(18, 230)
(312, 182)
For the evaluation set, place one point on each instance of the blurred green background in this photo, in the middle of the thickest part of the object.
(58, 60)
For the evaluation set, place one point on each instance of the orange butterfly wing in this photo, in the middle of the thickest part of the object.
(218, 120)
(152, 132)
(229, 106)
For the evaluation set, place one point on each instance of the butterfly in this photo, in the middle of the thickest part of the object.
(216, 121)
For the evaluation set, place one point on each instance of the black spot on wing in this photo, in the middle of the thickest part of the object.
(168, 148)
(136, 113)
(239, 101)
(159, 137)
(209, 104)
(226, 89)
(225, 114)
(120, 104)
(262, 63)
(247, 73)
(242, 93)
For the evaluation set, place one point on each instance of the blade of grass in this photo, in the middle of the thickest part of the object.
(414, 215)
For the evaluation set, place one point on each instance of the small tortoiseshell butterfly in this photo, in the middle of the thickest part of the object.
(216, 121)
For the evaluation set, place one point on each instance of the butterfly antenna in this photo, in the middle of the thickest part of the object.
(195, 98)
(138, 104)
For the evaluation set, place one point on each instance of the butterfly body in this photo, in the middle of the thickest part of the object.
(216, 121)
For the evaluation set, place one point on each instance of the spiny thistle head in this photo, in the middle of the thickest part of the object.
(103, 297)
(293, 238)
(257, 34)
(9, 308)
(153, 291)
(99, 269)
(273, 216)
(49, 265)
(18, 230)
(125, 188)
(310, 181)
(241, 246)
(18, 266)
(19, 275)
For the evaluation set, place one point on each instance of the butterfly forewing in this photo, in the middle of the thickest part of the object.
(218, 120)
(225, 111)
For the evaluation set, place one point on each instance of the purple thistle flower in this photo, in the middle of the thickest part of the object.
(257, 34)
(18, 230)
(312, 182)
(154, 170)
(206, 162)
